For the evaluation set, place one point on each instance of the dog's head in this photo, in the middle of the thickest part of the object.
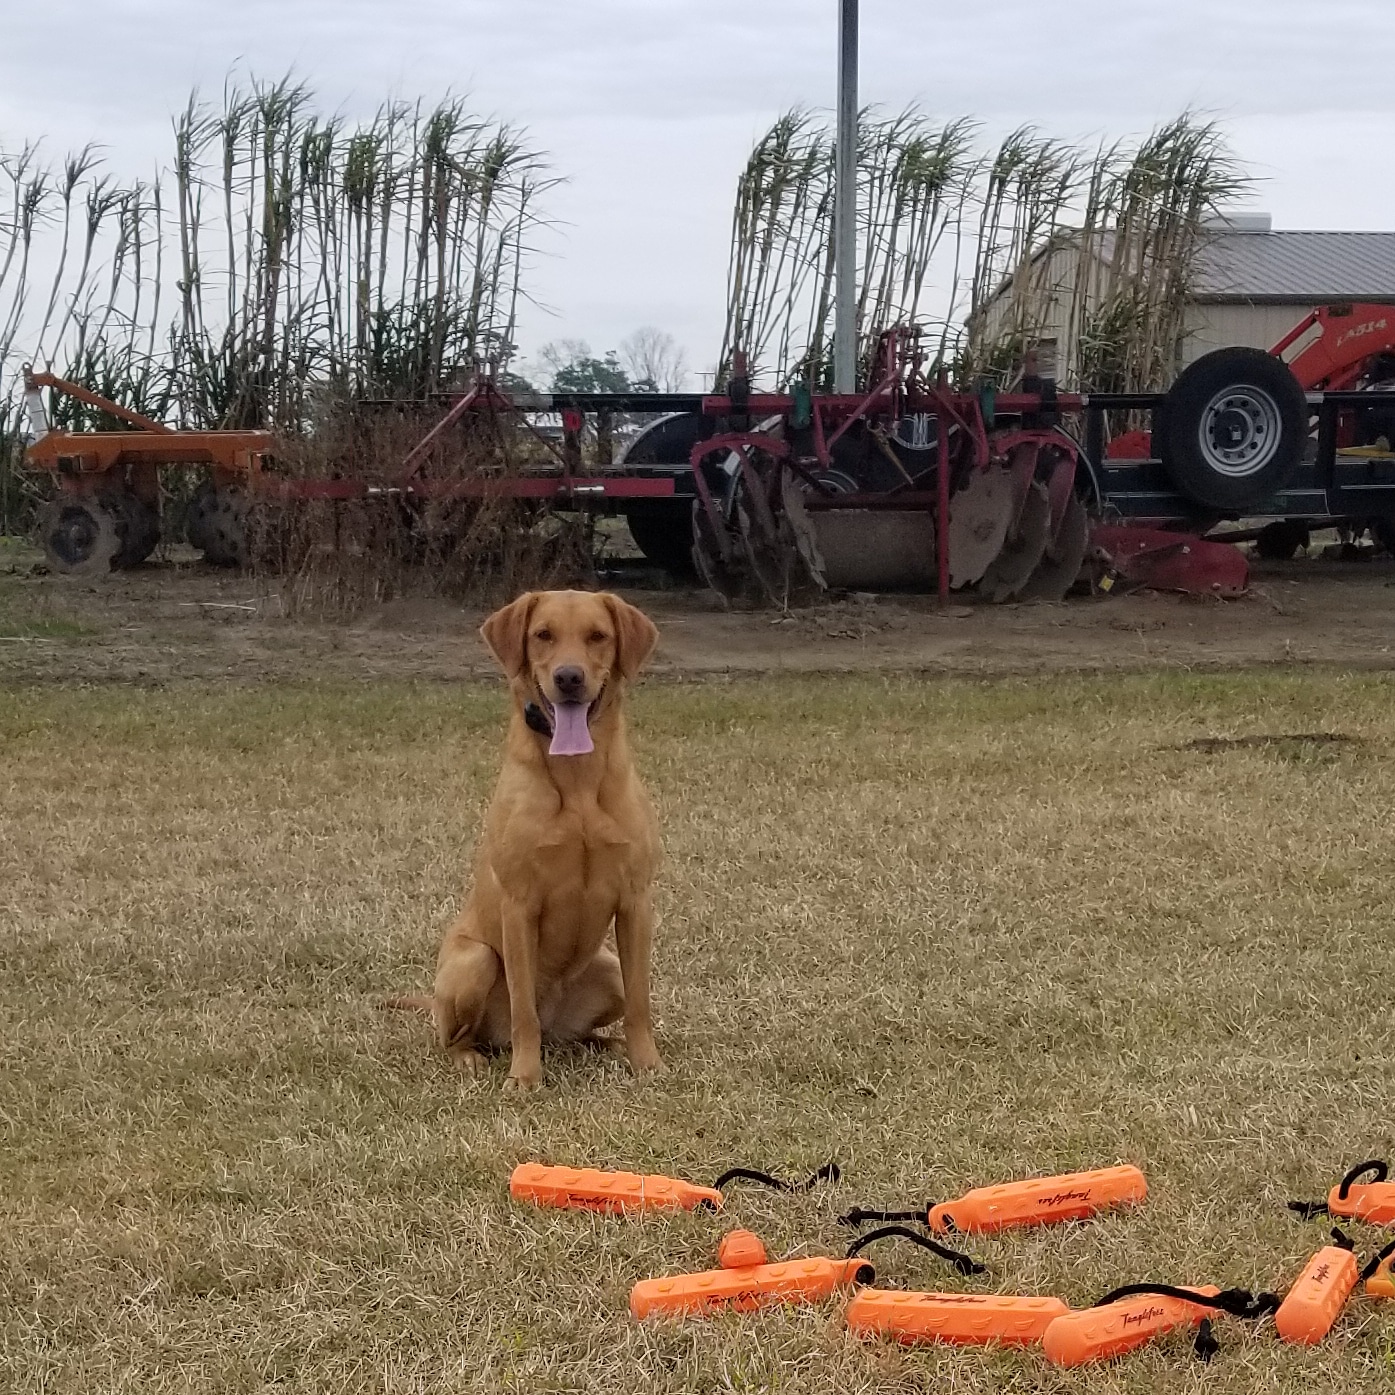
(571, 651)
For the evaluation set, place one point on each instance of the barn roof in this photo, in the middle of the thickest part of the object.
(1301, 267)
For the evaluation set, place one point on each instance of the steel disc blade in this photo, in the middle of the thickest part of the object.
(776, 563)
(80, 535)
(1022, 553)
(726, 577)
(979, 516)
(1061, 488)
(1022, 465)
(801, 529)
(1060, 566)
(876, 549)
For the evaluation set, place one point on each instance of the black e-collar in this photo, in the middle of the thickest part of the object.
(536, 719)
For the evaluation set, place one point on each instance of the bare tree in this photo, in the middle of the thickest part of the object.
(558, 354)
(654, 358)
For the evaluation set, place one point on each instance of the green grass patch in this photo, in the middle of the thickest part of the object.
(29, 616)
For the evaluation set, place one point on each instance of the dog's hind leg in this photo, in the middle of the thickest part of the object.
(592, 1000)
(466, 978)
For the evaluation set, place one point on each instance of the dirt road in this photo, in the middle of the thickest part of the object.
(184, 620)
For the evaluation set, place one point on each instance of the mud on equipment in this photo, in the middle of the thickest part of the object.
(1073, 1196)
(963, 1319)
(741, 1285)
(1372, 1201)
(589, 1189)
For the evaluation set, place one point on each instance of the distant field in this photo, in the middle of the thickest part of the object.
(946, 932)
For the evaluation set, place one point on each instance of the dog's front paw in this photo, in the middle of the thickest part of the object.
(467, 1060)
(521, 1081)
(646, 1060)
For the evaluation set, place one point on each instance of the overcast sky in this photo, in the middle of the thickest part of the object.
(648, 107)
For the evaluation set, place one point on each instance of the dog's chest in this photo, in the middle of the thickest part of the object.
(587, 858)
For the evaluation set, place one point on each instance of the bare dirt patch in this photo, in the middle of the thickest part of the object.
(184, 620)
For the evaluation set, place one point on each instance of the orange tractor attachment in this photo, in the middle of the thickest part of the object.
(106, 511)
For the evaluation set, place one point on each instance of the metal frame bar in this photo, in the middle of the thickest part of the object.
(82, 458)
(33, 380)
(845, 204)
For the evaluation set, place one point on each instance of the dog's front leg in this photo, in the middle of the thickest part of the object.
(520, 927)
(634, 938)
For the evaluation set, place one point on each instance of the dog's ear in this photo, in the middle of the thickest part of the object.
(506, 633)
(635, 635)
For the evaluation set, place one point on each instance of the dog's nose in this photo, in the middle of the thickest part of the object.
(571, 682)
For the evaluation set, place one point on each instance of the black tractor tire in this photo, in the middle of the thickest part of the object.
(1382, 530)
(141, 530)
(1283, 539)
(198, 515)
(665, 537)
(81, 535)
(1234, 425)
(224, 531)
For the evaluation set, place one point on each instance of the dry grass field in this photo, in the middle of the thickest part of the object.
(948, 932)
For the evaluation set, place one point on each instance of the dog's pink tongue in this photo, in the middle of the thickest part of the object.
(570, 734)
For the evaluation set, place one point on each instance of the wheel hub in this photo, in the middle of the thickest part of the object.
(1232, 428)
(1240, 431)
(74, 537)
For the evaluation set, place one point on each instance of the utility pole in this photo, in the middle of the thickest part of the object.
(845, 206)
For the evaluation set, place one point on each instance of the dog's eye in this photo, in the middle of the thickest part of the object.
(544, 635)
(596, 637)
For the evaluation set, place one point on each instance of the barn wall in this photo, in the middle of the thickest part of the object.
(1208, 326)
(1052, 279)
(1226, 326)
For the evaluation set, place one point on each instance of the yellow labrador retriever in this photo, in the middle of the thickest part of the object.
(570, 848)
